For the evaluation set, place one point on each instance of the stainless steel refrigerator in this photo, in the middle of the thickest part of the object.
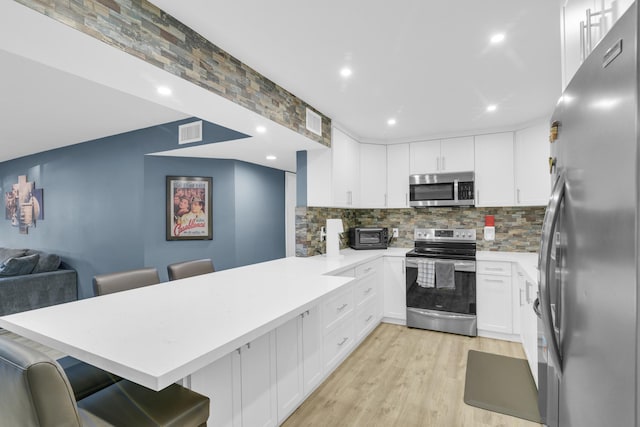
(589, 272)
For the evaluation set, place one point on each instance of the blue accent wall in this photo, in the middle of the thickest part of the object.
(104, 204)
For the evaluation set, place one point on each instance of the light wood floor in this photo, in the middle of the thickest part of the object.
(404, 377)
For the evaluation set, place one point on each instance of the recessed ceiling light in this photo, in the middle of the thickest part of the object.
(346, 72)
(497, 38)
(492, 108)
(391, 122)
(271, 157)
(261, 129)
(164, 90)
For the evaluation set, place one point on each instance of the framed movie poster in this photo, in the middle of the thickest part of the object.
(189, 203)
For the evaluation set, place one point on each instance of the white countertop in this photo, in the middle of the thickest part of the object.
(159, 334)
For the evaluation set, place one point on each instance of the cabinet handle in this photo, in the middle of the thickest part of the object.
(477, 197)
(406, 199)
(494, 268)
(404, 271)
(582, 43)
(494, 280)
(518, 196)
(343, 306)
(344, 340)
(368, 290)
(444, 167)
(368, 269)
(521, 294)
(437, 163)
(588, 27)
(368, 318)
(386, 201)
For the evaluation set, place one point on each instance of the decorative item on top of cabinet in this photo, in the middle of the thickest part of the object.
(446, 155)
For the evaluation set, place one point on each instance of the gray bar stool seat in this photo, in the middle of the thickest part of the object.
(35, 391)
(181, 270)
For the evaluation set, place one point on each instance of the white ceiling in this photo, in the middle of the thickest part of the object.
(428, 64)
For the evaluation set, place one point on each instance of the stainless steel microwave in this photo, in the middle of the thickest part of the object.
(442, 189)
(369, 237)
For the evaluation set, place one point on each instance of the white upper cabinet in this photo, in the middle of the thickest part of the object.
(424, 157)
(373, 175)
(398, 176)
(319, 177)
(456, 154)
(532, 178)
(494, 169)
(446, 155)
(584, 24)
(346, 170)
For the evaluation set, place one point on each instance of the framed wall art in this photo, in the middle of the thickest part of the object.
(189, 208)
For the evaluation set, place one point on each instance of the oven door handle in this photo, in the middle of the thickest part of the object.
(459, 265)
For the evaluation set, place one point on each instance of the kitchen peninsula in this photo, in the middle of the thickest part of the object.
(200, 331)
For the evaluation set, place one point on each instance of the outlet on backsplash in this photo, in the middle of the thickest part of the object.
(395, 232)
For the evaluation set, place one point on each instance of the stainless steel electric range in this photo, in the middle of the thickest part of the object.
(441, 281)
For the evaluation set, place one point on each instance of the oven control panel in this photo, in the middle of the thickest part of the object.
(439, 234)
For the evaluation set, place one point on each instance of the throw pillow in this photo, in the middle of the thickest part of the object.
(19, 266)
(6, 253)
(47, 262)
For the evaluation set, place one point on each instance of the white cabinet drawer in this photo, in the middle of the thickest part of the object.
(337, 307)
(495, 268)
(366, 318)
(338, 342)
(368, 269)
(365, 290)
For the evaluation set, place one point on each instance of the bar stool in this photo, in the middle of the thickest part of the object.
(181, 270)
(35, 391)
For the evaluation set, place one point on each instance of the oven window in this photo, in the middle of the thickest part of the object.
(442, 191)
(367, 237)
(461, 299)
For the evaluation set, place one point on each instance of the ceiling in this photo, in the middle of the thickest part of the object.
(428, 64)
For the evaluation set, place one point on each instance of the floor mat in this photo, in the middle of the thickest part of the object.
(501, 384)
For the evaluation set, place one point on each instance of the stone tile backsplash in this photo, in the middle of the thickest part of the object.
(517, 228)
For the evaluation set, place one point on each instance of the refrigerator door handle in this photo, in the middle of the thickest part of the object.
(544, 261)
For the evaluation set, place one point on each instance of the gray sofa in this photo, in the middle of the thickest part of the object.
(32, 279)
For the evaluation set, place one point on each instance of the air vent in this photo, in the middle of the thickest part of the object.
(191, 132)
(314, 122)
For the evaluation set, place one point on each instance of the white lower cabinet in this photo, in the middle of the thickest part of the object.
(529, 323)
(493, 297)
(395, 290)
(241, 385)
(299, 360)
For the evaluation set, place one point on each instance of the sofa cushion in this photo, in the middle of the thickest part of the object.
(6, 253)
(19, 266)
(47, 262)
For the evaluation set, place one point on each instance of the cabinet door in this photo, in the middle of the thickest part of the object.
(319, 177)
(424, 157)
(494, 169)
(395, 289)
(258, 367)
(346, 169)
(220, 381)
(573, 49)
(312, 349)
(398, 176)
(532, 178)
(456, 154)
(373, 176)
(493, 298)
(289, 369)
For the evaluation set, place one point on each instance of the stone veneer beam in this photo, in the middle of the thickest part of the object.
(145, 31)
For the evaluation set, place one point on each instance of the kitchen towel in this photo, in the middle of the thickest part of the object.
(445, 275)
(426, 273)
